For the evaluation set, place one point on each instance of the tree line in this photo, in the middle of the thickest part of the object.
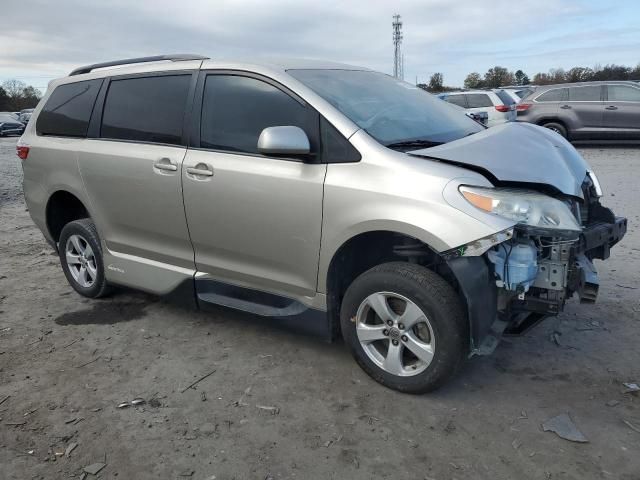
(501, 77)
(16, 95)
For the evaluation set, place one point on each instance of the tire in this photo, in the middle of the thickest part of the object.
(79, 241)
(440, 336)
(556, 127)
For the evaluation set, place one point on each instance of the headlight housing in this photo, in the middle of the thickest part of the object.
(522, 206)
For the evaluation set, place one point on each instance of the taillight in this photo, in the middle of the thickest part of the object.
(502, 108)
(22, 151)
(523, 107)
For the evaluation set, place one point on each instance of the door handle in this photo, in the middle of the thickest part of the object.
(165, 164)
(611, 107)
(566, 107)
(200, 169)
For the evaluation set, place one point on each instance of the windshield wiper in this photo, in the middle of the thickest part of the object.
(409, 144)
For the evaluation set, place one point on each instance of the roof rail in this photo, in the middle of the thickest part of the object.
(127, 61)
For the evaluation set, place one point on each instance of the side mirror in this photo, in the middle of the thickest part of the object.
(287, 140)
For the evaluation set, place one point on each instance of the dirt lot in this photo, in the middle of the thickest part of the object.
(66, 363)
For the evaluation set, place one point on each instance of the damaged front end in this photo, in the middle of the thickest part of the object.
(515, 278)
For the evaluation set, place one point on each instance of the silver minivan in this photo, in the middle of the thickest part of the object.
(315, 191)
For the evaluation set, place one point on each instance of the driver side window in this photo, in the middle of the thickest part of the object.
(235, 110)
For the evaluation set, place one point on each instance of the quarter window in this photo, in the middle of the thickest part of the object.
(236, 109)
(149, 109)
(622, 93)
(585, 94)
(478, 100)
(68, 109)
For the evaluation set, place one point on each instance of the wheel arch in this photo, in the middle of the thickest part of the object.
(365, 250)
(63, 207)
(544, 120)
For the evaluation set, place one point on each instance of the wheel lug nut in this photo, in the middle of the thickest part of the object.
(395, 342)
(404, 338)
(385, 332)
(390, 323)
(401, 326)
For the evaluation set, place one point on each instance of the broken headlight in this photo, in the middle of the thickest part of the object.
(522, 206)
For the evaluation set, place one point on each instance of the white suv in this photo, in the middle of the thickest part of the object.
(499, 107)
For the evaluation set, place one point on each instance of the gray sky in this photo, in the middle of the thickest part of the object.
(45, 39)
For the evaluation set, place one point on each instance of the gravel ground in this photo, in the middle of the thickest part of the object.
(67, 362)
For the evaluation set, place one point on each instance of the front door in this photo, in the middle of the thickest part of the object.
(254, 220)
(622, 111)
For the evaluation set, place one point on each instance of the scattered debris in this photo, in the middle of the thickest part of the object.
(328, 443)
(631, 426)
(83, 475)
(30, 412)
(94, 468)
(631, 387)
(138, 401)
(612, 403)
(563, 426)
(198, 381)
(97, 409)
(188, 473)
(516, 444)
(5, 399)
(88, 363)
(240, 402)
(124, 405)
(70, 448)
(626, 286)
(15, 424)
(271, 409)
(69, 344)
(203, 396)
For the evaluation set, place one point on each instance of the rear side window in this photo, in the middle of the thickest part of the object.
(236, 109)
(505, 98)
(68, 109)
(555, 95)
(478, 100)
(585, 94)
(148, 109)
(456, 100)
(622, 93)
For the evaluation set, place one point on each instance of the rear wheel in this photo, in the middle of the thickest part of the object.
(81, 258)
(556, 127)
(405, 326)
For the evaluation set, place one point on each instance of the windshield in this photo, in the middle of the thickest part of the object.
(388, 109)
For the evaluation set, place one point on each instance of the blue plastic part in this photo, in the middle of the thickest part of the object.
(516, 264)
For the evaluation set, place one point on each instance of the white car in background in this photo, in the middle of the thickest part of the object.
(498, 105)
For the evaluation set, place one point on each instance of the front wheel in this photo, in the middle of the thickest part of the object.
(405, 326)
(81, 258)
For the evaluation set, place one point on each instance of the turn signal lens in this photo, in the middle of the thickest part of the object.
(479, 201)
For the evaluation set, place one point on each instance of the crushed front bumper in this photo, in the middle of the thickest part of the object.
(563, 267)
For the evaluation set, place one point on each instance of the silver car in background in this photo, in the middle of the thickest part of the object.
(586, 111)
(315, 191)
(498, 105)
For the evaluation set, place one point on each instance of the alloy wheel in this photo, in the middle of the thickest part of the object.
(395, 334)
(81, 261)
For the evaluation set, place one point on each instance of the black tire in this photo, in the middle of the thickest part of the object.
(556, 127)
(86, 229)
(439, 303)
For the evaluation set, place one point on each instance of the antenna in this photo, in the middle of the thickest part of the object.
(398, 57)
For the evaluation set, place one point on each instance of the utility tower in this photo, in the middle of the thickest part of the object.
(398, 57)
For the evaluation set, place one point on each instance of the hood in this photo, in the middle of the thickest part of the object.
(518, 152)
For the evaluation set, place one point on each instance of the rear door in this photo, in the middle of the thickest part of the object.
(131, 168)
(481, 102)
(254, 220)
(622, 111)
(584, 111)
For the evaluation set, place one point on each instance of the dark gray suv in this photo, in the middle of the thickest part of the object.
(586, 111)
